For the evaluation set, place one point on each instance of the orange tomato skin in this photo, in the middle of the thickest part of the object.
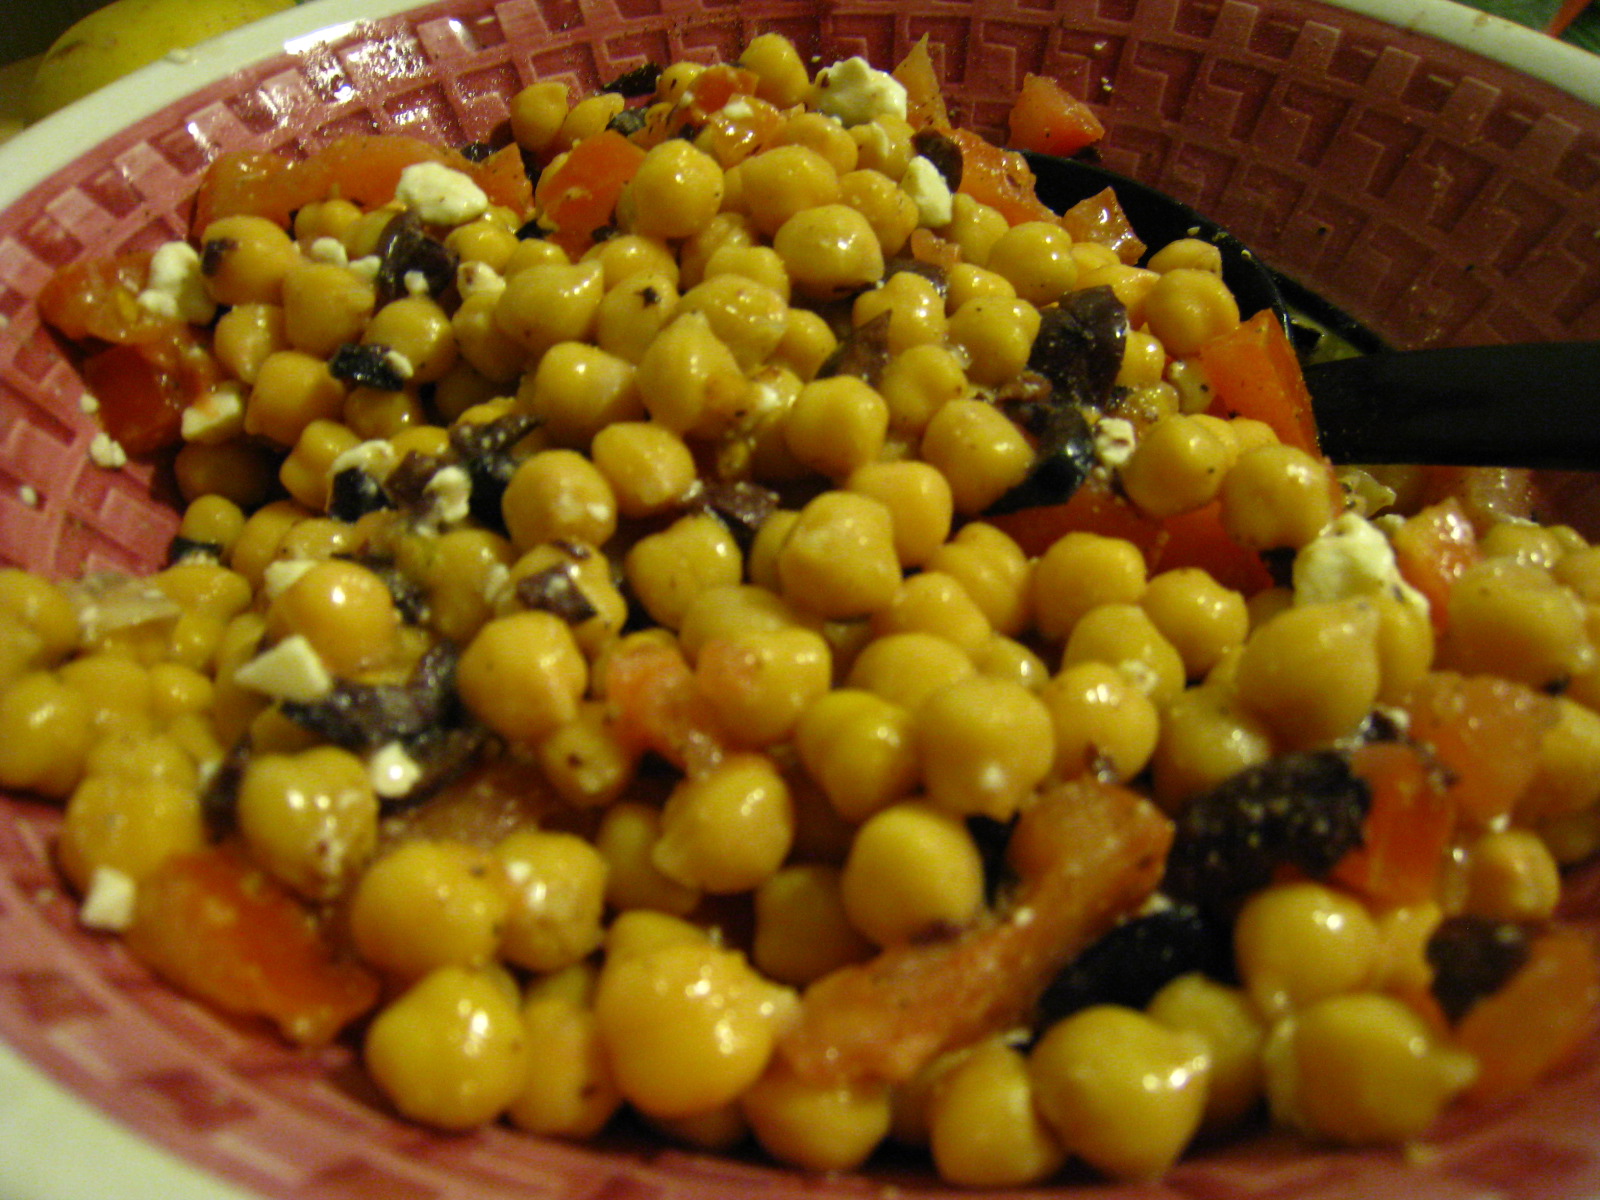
(1100, 219)
(1049, 119)
(1408, 828)
(1537, 1020)
(99, 298)
(578, 194)
(657, 705)
(143, 389)
(223, 931)
(1255, 373)
(1432, 550)
(999, 178)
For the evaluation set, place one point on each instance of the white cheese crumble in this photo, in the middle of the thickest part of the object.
(478, 279)
(440, 195)
(376, 458)
(108, 904)
(1114, 440)
(929, 192)
(329, 250)
(290, 670)
(216, 416)
(176, 289)
(854, 92)
(1349, 559)
(29, 495)
(366, 268)
(392, 772)
(737, 109)
(450, 493)
(417, 284)
(88, 403)
(281, 574)
(106, 452)
(402, 365)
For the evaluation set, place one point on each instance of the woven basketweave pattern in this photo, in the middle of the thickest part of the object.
(1438, 196)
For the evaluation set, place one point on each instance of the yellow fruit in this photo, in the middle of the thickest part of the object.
(127, 34)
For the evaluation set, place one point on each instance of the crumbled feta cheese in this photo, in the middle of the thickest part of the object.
(873, 140)
(496, 579)
(88, 403)
(1114, 440)
(450, 491)
(329, 250)
(478, 279)
(281, 574)
(392, 771)
(106, 452)
(417, 284)
(216, 416)
(366, 268)
(376, 458)
(855, 92)
(440, 195)
(1350, 558)
(180, 55)
(929, 192)
(109, 902)
(402, 365)
(290, 670)
(176, 288)
(738, 109)
(29, 495)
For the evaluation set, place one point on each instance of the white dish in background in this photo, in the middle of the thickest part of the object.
(52, 1145)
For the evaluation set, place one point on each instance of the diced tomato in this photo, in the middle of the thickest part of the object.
(925, 106)
(504, 180)
(999, 178)
(1092, 509)
(652, 693)
(1100, 219)
(1254, 372)
(714, 87)
(1408, 829)
(144, 388)
(1487, 495)
(99, 298)
(1198, 539)
(1433, 549)
(577, 193)
(224, 931)
(1050, 120)
(1485, 732)
(246, 181)
(1543, 1013)
(928, 247)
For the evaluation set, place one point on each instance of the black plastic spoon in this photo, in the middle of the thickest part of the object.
(1530, 405)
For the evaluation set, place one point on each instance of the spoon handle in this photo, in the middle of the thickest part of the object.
(1533, 405)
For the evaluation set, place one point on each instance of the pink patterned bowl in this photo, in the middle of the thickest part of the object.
(1433, 170)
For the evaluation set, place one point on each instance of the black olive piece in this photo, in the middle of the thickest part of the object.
(182, 549)
(1080, 345)
(862, 352)
(477, 152)
(365, 716)
(740, 505)
(1474, 957)
(1138, 958)
(992, 837)
(532, 230)
(638, 81)
(353, 494)
(943, 152)
(1065, 456)
(366, 364)
(629, 121)
(556, 590)
(219, 802)
(1301, 810)
(213, 252)
(484, 450)
(410, 600)
(405, 249)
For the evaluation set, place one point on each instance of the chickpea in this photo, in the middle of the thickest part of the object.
(324, 305)
(802, 929)
(537, 113)
(1233, 1034)
(344, 610)
(1121, 1091)
(830, 251)
(980, 451)
(785, 181)
(1124, 636)
(245, 335)
(586, 118)
(1187, 307)
(126, 824)
(648, 466)
(819, 1127)
(1081, 571)
(983, 745)
(1276, 496)
(689, 379)
(429, 904)
(727, 830)
(838, 559)
(558, 495)
(912, 871)
(292, 389)
(1102, 722)
(633, 311)
(571, 1092)
(917, 383)
(1298, 942)
(1362, 1069)
(1035, 258)
(557, 883)
(746, 316)
(626, 839)
(859, 748)
(782, 76)
(760, 681)
(936, 603)
(452, 1051)
(550, 303)
(310, 819)
(992, 569)
(984, 1129)
(244, 260)
(906, 668)
(1512, 620)
(1205, 738)
(1178, 466)
(668, 570)
(995, 335)
(975, 227)
(1567, 780)
(522, 675)
(836, 425)
(1511, 876)
(1197, 615)
(1311, 672)
(675, 192)
(687, 1027)
(919, 500)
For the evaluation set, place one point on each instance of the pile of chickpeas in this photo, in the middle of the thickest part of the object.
(578, 923)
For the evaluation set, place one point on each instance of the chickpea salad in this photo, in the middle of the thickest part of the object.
(723, 612)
